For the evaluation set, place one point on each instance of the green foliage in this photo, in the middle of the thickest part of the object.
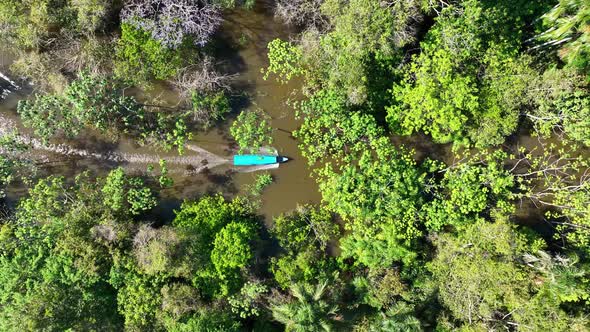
(262, 181)
(221, 237)
(304, 236)
(425, 245)
(469, 189)
(208, 320)
(562, 276)
(92, 15)
(44, 114)
(126, 194)
(247, 303)
(212, 212)
(54, 39)
(230, 4)
(231, 247)
(164, 180)
(252, 130)
(53, 268)
(178, 302)
(15, 29)
(208, 108)
(32, 24)
(575, 113)
(576, 211)
(158, 252)
(12, 165)
(329, 129)
(90, 101)
(384, 186)
(561, 105)
(138, 300)
(466, 92)
(380, 288)
(141, 58)
(568, 29)
(557, 177)
(285, 60)
(361, 31)
(308, 311)
(306, 266)
(174, 131)
(380, 197)
(377, 247)
(307, 226)
(399, 318)
(73, 258)
(479, 275)
(99, 102)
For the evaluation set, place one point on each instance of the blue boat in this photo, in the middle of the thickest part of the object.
(257, 159)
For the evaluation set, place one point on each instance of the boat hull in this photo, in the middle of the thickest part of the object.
(257, 159)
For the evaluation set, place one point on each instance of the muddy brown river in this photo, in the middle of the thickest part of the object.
(241, 49)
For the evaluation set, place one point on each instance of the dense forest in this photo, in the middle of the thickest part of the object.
(449, 140)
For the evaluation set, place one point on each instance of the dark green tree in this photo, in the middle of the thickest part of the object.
(304, 236)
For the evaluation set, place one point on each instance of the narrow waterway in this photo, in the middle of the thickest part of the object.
(240, 48)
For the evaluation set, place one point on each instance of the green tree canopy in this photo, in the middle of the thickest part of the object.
(221, 238)
(476, 186)
(252, 130)
(464, 86)
(481, 280)
(309, 310)
(55, 259)
(304, 236)
(92, 101)
(380, 197)
(360, 31)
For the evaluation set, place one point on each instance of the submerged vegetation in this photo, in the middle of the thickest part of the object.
(485, 232)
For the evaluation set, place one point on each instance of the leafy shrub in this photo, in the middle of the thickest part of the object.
(141, 58)
(209, 108)
(252, 130)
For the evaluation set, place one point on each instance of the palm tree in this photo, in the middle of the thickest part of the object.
(399, 318)
(569, 29)
(307, 311)
(560, 275)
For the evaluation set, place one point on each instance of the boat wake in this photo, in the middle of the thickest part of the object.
(200, 160)
(250, 169)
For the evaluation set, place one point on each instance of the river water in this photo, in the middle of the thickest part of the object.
(241, 49)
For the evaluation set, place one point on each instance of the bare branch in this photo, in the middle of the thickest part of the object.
(170, 21)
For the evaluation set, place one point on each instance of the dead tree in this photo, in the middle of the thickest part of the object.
(170, 21)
